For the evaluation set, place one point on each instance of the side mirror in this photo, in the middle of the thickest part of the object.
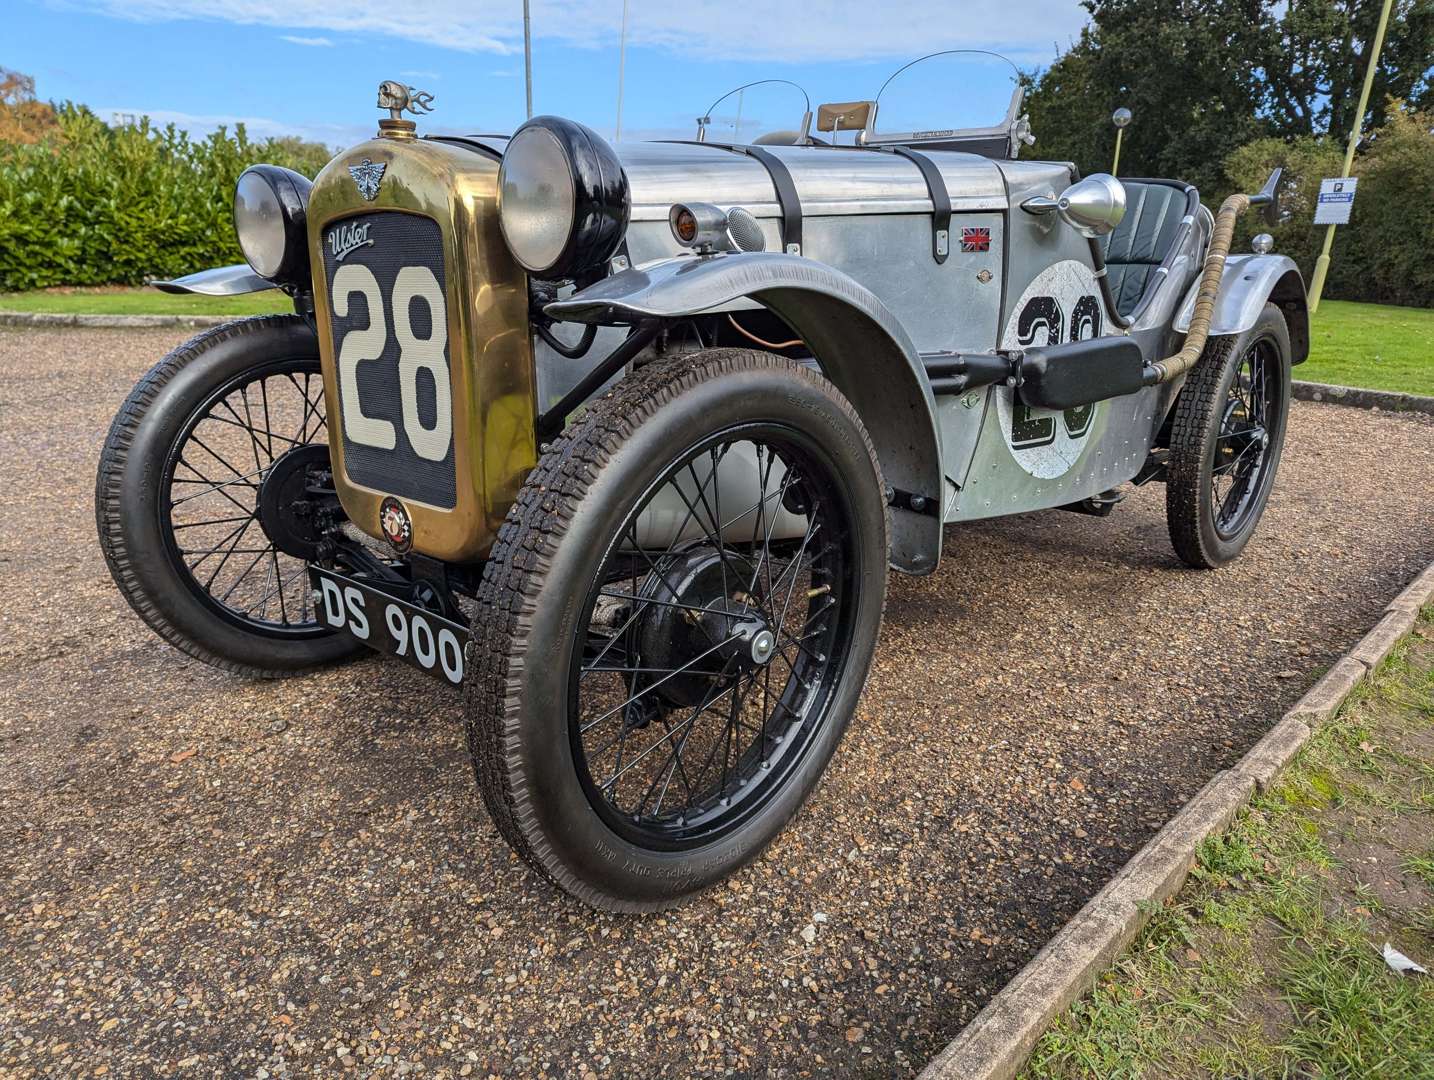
(1092, 207)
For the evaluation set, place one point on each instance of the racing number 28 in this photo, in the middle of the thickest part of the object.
(415, 354)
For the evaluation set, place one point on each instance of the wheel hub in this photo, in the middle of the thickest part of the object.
(698, 618)
(761, 646)
(297, 500)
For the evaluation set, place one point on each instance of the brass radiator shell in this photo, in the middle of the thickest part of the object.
(491, 373)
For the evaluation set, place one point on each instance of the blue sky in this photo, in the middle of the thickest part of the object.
(310, 67)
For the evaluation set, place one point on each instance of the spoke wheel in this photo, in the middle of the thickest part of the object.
(729, 638)
(199, 493)
(675, 624)
(1226, 440)
(1243, 444)
(211, 513)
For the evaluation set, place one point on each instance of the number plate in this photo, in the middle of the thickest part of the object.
(386, 624)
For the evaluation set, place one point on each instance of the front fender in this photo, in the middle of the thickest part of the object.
(1249, 281)
(855, 339)
(220, 281)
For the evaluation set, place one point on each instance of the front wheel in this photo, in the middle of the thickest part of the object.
(196, 495)
(675, 626)
(1225, 442)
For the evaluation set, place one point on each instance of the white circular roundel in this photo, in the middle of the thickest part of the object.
(1061, 304)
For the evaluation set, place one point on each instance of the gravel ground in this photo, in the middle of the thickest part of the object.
(209, 876)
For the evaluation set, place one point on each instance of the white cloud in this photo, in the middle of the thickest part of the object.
(772, 30)
(258, 127)
(317, 42)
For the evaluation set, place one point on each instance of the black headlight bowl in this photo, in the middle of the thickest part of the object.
(601, 202)
(290, 191)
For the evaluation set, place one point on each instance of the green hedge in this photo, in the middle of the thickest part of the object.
(93, 204)
(1384, 254)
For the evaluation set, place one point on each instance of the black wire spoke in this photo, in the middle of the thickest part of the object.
(766, 534)
(268, 423)
(252, 430)
(670, 675)
(211, 521)
(735, 704)
(311, 407)
(213, 486)
(715, 538)
(247, 427)
(645, 671)
(281, 584)
(710, 700)
(812, 529)
(717, 454)
(674, 759)
(208, 585)
(252, 583)
(225, 490)
(1232, 465)
(258, 468)
(800, 641)
(679, 716)
(231, 538)
(666, 737)
(646, 600)
(243, 574)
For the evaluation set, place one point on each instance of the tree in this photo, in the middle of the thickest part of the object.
(1189, 69)
(22, 118)
(1207, 76)
(1318, 51)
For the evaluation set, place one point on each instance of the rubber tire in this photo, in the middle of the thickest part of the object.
(541, 567)
(1193, 435)
(128, 492)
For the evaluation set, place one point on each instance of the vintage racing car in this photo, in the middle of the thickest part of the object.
(622, 440)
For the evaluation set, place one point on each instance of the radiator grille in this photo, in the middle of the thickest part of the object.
(384, 244)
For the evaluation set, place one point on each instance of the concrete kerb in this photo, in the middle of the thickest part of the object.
(38, 318)
(1360, 398)
(1419, 592)
(996, 1044)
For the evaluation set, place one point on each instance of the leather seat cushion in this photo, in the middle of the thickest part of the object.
(1138, 245)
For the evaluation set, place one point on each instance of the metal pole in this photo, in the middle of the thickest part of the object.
(1121, 119)
(621, 71)
(1322, 263)
(528, 57)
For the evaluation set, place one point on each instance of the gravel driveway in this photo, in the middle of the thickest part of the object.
(215, 877)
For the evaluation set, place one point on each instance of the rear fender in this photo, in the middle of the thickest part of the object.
(1248, 283)
(220, 281)
(857, 342)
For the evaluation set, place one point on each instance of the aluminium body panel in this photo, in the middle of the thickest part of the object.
(1027, 458)
(828, 180)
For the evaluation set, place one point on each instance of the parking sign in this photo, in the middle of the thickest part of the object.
(1336, 198)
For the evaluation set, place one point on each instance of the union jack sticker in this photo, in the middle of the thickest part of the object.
(975, 240)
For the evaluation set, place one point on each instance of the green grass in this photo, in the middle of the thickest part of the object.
(1372, 346)
(1267, 963)
(141, 302)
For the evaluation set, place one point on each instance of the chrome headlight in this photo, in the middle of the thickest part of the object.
(562, 198)
(270, 216)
